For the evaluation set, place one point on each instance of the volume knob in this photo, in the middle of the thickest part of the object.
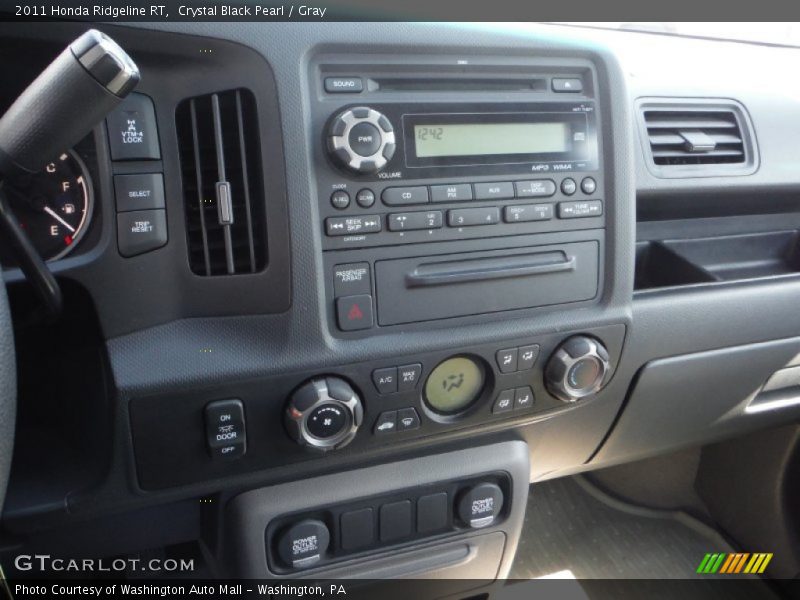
(577, 369)
(324, 413)
(361, 139)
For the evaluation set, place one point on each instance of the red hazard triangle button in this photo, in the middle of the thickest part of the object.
(354, 312)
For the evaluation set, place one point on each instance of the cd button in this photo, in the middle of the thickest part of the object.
(400, 196)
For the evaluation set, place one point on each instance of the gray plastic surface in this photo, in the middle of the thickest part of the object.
(700, 397)
(248, 515)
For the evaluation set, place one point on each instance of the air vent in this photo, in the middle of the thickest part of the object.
(222, 188)
(697, 137)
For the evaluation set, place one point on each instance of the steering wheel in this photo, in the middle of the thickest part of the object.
(8, 391)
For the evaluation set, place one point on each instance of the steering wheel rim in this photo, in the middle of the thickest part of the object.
(8, 391)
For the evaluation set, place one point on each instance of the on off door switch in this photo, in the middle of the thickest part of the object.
(225, 431)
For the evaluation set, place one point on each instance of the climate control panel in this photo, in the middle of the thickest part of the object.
(377, 405)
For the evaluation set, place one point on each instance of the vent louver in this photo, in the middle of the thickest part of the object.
(694, 136)
(222, 189)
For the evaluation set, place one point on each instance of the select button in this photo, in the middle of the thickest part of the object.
(139, 191)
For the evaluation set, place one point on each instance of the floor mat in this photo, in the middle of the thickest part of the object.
(573, 529)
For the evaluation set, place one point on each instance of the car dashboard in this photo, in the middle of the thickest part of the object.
(365, 282)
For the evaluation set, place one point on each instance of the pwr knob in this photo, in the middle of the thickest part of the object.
(361, 139)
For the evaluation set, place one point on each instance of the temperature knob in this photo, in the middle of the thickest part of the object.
(361, 139)
(324, 413)
(577, 369)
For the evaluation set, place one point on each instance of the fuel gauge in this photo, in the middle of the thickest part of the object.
(53, 206)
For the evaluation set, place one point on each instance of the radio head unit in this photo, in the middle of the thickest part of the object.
(458, 189)
(423, 140)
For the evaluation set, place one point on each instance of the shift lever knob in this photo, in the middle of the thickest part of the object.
(74, 93)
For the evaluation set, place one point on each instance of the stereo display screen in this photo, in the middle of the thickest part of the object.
(489, 139)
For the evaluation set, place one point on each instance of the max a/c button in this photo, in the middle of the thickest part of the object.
(354, 312)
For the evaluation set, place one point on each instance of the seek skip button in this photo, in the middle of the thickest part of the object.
(141, 231)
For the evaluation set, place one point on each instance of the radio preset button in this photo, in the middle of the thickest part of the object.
(451, 193)
(343, 85)
(536, 188)
(468, 217)
(568, 186)
(365, 198)
(364, 139)
(578, 209)
(588, 185)
(336, 226)
(567, 84)
(340, 199)
(401, 196)
(528, 212)
(415, 220)
(501, 190)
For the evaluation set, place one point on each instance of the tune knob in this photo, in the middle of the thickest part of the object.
(578, 368)
(324, 413)
(361, 139)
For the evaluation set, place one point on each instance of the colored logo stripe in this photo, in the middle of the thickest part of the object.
(724, 563)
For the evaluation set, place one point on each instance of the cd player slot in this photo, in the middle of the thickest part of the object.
(425, 288)
(473, 84)
(483, 269)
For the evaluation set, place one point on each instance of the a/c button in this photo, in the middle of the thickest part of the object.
(140, 231)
